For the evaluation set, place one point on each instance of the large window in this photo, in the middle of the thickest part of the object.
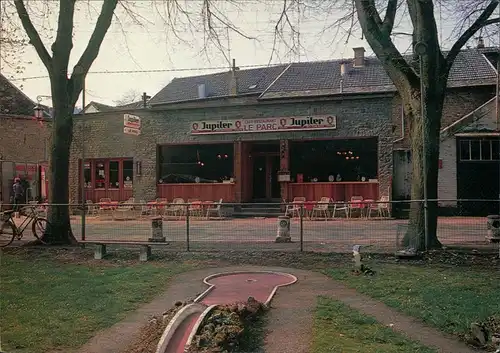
(100, 175)
(211, 163)
(128, 174)
(87, 175)
(114, 175)
(487, 149)
(108, 174)
(334, 160)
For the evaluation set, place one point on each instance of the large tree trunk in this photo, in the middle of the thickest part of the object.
(415, 237)
(62, 133)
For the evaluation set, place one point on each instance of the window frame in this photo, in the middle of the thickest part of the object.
(226, 144)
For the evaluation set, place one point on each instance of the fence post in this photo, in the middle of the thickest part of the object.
(187, 229)
(301, 228)
(83, 221)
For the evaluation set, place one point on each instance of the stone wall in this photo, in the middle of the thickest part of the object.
(23, 139)
(361, 117)
(458, 103)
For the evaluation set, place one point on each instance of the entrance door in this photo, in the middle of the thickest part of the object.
(265, 177)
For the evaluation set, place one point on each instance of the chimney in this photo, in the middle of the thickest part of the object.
(359, 56)
(145, 99)
(233, 84)
(480, 43)
(202, 92)
(343, 69)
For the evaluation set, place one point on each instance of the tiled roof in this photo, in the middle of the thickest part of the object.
(470, 68)
(315, 78)
(217, 85)
(13, 101)
(103, 108)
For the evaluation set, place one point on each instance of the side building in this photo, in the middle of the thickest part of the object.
(314, 129)
(24, 143)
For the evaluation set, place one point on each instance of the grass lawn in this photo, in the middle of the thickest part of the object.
(338, 328)
(47, 305)
(449, 299)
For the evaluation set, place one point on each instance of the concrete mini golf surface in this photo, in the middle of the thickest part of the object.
(224, 288)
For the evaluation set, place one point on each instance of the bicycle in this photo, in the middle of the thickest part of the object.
(9, 230)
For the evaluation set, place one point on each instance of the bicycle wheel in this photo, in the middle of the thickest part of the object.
(40, 228)
(7, 233)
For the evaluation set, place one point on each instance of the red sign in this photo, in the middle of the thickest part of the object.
(293, 123)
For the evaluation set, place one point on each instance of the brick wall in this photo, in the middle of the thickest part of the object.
(458, 102)
(23, 140)
(104, 138)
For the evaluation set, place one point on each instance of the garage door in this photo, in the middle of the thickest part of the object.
(478, 175)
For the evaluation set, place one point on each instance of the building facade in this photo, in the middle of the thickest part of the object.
(24, 143)
(322, 129)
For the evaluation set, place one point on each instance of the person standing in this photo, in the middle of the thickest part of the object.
(18, 195)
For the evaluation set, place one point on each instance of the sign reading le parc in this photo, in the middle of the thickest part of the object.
(313, 122)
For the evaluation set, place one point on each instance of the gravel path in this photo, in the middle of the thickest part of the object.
(290, 319)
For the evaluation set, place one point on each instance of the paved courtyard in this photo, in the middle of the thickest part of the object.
(259, 233)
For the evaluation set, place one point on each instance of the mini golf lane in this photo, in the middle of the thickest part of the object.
(227, 288)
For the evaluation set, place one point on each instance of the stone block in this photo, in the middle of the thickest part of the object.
(145, 253)
(99, 251)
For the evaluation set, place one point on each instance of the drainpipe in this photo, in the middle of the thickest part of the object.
(402, 125)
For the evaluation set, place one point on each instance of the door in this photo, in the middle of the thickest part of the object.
(265, 177)
(259, 177)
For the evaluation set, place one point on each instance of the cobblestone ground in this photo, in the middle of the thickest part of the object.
(259, 233)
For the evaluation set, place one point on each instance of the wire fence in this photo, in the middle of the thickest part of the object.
(301, 226)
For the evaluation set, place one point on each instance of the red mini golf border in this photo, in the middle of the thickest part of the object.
(185, 312)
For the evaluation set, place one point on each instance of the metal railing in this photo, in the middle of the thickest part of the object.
(379, 226)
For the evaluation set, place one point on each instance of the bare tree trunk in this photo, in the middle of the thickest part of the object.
(415, 236)
(62, 132)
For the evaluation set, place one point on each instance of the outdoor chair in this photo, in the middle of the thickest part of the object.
(295, 207)
(145, 209)
(217, 210)
(342, 207)
(356, 204)
(124, 211)
(195, 208)
(176, 208)
(321, 208)
(92, 209)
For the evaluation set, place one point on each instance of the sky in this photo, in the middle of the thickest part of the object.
(150, 56)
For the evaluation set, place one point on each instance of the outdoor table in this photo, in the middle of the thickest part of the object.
(308, 207)
(108, 205)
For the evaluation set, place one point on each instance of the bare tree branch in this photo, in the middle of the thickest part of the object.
(382, 45)
(33, 35)
(92, 50)
(61, 49)
(480, 22)
(390, 16)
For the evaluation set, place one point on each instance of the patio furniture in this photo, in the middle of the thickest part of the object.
(92, 209)
(176, 208)
(342, 207)
(217, 209)
(356, 204)
(381, 207)
(146, 210)
(195, 208)
(321, 208)
(296, 206)
(124, 211)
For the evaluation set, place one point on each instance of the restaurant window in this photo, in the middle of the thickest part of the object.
(209, 163)
(334, 160)
(87, 174)
(128, 174)
(114, 175)
(100, 175)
